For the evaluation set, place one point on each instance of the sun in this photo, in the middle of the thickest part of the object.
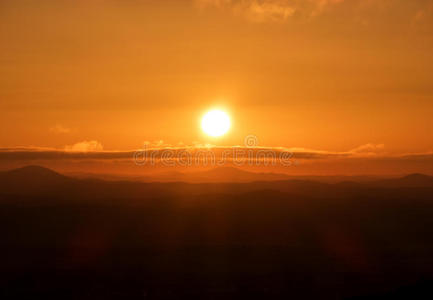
(215, 123)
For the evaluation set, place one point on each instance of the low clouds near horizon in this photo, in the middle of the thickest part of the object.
(85, 146)
(90, 157)
(95, 150)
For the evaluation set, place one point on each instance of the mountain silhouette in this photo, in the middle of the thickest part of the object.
(230, 240)
(32, 179)
(412, 180)
(40, 181)
(221, 175)
(231, 174)
(36, 172)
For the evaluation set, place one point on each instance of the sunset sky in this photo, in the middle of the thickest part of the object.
(323, 75)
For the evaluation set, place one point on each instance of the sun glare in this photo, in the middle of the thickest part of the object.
(215, 123)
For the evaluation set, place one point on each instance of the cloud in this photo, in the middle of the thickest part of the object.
(296, 161)
(368, 149)
(58, 128)
(155, 144)
(419, 11)
(94, 150)
(85, 146)
(320, 5)
(365, 159)
(270, 10)
(35, 153)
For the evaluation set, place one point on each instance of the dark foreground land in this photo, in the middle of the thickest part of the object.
(64, 238)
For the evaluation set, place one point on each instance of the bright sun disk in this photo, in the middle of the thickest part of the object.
(215, 123)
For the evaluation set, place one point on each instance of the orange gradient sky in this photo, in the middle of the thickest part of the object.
(315, 74)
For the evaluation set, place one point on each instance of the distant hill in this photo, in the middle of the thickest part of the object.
(221, 175)
(412, 180)
(230, 174)
(39, 181)
(31, 171)
(286, 239)
(32, 179)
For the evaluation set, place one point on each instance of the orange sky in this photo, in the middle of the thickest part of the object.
(325, 75)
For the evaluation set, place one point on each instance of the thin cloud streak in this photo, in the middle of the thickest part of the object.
(270, 10)
(95, 152)
(282, 10)
(85, 146)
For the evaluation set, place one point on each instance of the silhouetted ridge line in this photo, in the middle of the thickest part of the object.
(33, 170)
